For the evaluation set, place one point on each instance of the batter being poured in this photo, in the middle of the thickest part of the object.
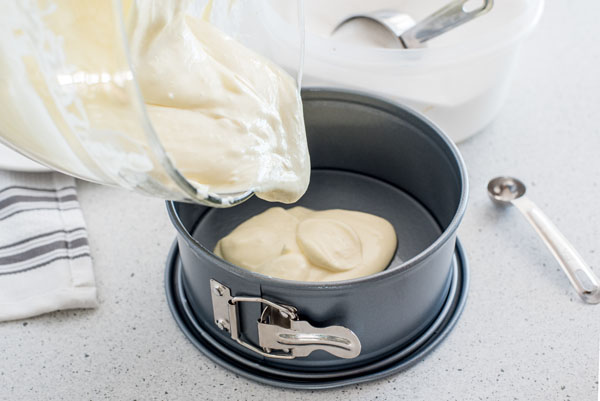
(229, 118)
(211, 99)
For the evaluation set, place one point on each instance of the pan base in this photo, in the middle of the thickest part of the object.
(393, 363)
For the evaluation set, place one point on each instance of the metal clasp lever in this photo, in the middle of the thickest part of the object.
(279, 329)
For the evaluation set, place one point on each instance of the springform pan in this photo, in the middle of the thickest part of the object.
(367, 154)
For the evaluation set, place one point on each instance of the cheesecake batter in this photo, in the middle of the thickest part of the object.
(229, 119)
(306, 245)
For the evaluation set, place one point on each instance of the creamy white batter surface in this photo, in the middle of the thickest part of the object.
(306, 245)
(229, 119)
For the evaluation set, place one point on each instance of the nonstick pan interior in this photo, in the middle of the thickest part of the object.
(415, 228)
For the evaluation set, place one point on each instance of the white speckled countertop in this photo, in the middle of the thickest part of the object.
(524, 335)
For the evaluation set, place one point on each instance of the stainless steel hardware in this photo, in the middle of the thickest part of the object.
(281, 333)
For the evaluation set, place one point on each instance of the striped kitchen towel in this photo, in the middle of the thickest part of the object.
(45, 262)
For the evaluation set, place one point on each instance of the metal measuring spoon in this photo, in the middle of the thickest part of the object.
(414, 35)
(511, 191)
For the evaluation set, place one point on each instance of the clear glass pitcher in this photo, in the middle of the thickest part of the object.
(48, 93)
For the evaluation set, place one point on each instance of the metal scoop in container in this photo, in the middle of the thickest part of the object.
(414, 35)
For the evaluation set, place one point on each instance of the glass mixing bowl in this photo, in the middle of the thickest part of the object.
(50, 88)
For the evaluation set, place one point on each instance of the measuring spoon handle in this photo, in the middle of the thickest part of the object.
(583, 279)
(444, 19)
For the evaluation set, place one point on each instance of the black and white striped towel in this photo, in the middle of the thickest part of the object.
(45, 262)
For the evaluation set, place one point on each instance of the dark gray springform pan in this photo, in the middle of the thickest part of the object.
(367, 154)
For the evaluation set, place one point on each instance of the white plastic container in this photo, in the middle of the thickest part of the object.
(460, 80)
